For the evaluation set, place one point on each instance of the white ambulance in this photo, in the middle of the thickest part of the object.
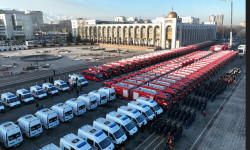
(9, 99)
(10, 134)
(77, 105)
(61, 85)
(151, 103)
(50, 146)
(30, 125)
(111, 129)
(134, 115)
(48, 118)
(64, 111)
(110, 92)
(101, 97)
(2, 108)
(24, 96)
(71, 141)
(123, 121)
(38, 92)
(95, 137)
(90, 101)
(144, 109)
(50, 88)
(78, 79)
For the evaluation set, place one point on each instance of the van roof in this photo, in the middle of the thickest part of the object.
(29, 117)
(92, 130)
(46, 111)
(105, 122)
(118, 115)
(9, 125)
(9, 95)
(75, 140)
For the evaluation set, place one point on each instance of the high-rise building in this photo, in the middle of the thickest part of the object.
(212, 18)
(220, 19)
(36, 17)
(15, 25)
(190, 20)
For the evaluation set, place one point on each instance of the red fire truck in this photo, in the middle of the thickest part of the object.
(114, 69)
(123, 68)
(108, 83)
(92, 75)
(105, 72)
(123, 90)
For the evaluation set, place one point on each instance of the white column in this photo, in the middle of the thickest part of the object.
(163, 36)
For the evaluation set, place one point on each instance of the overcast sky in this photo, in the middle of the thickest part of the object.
(146, 9)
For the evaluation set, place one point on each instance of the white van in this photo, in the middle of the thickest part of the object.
(48, 118)
(134, 115)
(50, 88)
(9, 99)
(30, 125)
(123, 121)
(242, 49)
(95, 137)
(50, 146)
(2, 108)
(38, 92)
(101, 97)
(151, 103)
(111, 129)
(90, 101)
(64, 111)
(10, 134)
(73, 142)
(78, 79)
(61, 85)
(24, 96)
(110, 92)
(77, 105)
(144, 109)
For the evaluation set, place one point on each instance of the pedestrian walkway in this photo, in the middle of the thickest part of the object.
(228, 131)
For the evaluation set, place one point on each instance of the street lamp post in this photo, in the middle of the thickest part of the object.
(231, 32)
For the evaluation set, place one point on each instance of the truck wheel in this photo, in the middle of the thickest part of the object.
(120, 96)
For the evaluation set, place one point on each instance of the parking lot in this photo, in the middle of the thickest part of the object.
(141, 141)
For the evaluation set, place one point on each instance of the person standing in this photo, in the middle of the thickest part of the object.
(77, 92)
(54, 72)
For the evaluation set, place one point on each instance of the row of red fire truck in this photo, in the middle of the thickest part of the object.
(221, 47)
(106, 71)
(175, 81)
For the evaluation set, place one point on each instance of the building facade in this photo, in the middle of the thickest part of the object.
(190, 20)
(220, 19)
(165, 32)
(212, 18)
(15, 25)
(36, 17)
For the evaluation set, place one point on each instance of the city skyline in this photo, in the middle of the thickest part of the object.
(108, 10)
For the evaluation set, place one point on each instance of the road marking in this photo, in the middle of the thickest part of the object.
(159, 144)
(145, 140)
(215, 113)
(151, 143)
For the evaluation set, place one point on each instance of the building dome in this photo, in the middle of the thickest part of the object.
(172, 14)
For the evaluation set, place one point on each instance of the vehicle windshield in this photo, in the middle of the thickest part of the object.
(12, 100)
(40, 92)
(64, 85)
(149, 112)
(119, 133)
(99, 75)
(68, 113)
(52, 88)
(53, 119)
(81, 107)
(140, 119)
(103, 98)
(105, 143)
(156, 107)
(14, 136)
(130, 126)
(112, 94)
(240, 51)
(35, 127)
(93, 102)
(27, 96)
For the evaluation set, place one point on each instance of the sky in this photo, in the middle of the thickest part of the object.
(145, 9)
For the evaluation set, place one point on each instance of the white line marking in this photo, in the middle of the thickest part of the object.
(159, 144)
(214, 114)
(151, 142)
(145, 140)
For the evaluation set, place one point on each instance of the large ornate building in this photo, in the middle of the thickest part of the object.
(165, 32)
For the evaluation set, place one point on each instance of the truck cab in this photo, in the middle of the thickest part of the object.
(108, 83)
(110, 92)
(30, 125)
(24, 96)
(61, 85)
(10, 100)
(123, 90)
(72, 141)
(123, 121)
(50, 88)
(77, 105)
(77, 79)
(10, 134)
(143, 108)
(64, 111)
(38, 92)
(100, 95)
(95, 137)
(111, 129)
